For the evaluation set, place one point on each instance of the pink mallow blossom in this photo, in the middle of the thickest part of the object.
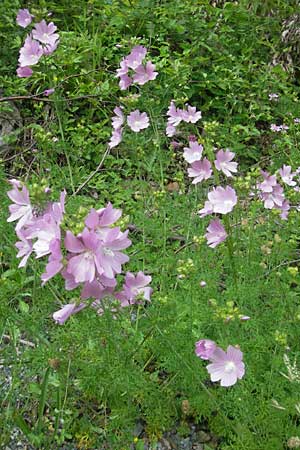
(86, 264)
(200, 170)
(205, 348)
(116, 138)
(135, 286)
(222, 199)
(101, 219)
(174, 115)
(208, 209)
(48, 49)
(273, 199)
(64, 313)
(24, 246)
(193, 152)
(285, 207)
(135, 57)
(45, 33)
(24, 18)
(125, 82)
(118, 118)
(109, 255)
(24, 72)
(54, 265)
(224, 162)
(191, 115)
(117, 122)
(146, 73)
(21, 209)
(215, 233)
(287, 175)
(226, 367)
(137, 121)
(30, 53)
(269, 182)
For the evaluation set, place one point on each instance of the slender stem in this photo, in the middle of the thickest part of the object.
(42, 401)
(65, 149)
(229, 243)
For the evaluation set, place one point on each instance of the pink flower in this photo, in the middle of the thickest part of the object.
(45, 33)
(48, 49)
(21, 209)
(274, 97)
(97, 287)
(191, 115)
(134, 287)
(135, 57)
(193, 152)
(48, 92)
(285, 207)
(101, 219)
(222, 199)
(226, 366)
(86, 264)
(24, 18)
(223, 162)
(125, 82)
(273, 199)
(200, 170)
(170, 130)
(45, 229)
(109, 257)
(215, 233)
(118, 119)
(30, 53)
(174, 115)
(123, 69)
(116, 138)
(208, 209)
(138, 121)
(24, 72)
(64, 313)
(269, 182)
(278, 128)
(54, 265)
(287, 176)
(205, 348)
(25, 248)
(143, 74)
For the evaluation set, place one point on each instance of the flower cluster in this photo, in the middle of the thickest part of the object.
(226, 367)
(279, 128)
(201, 169)
(136, 121)
(90, 260)
(220, 200)
(272, 193)
(132, 70)
(43, 40)
(177, 115)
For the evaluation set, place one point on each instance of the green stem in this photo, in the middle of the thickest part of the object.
(65, 149)
(229, 243)
(42, 401)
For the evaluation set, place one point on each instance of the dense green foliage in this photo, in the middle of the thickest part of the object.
(102, 374)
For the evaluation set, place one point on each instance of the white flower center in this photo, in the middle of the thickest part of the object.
(229, 367)
(108, 252)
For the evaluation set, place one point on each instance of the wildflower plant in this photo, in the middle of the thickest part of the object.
(190, 298)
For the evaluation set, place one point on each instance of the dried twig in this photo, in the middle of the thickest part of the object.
(6, 338)
(106, 153)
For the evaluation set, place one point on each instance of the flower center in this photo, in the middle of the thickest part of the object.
(229, 367)
(107, 251)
